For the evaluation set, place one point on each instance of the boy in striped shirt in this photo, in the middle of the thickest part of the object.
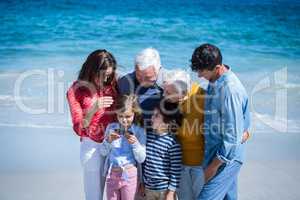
(162, 167)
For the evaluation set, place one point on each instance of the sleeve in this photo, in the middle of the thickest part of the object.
(246, 114)
(102, 117)
(105, 147)
(95, 126)
(139, 148)
(76, 112)
(175, 166)
(232, 126)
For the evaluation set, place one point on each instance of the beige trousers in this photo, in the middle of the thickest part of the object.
(155, 195)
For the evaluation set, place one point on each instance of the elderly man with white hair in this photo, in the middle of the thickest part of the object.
(143, 82)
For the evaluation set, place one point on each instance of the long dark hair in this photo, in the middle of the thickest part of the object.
(96, 62)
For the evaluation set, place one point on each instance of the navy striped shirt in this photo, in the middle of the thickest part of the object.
(162, 167)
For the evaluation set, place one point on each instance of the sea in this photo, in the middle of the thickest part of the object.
(43, 45)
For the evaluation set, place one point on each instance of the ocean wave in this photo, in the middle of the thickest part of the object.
(11, 98)
(28, 125)
(260, 121)
(291, 86)
(4, 74)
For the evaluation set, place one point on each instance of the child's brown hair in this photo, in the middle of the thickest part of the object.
(171, 115)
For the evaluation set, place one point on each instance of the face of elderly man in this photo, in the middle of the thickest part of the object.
(146, 77)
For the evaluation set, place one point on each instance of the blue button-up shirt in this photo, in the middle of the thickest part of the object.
(226, 118)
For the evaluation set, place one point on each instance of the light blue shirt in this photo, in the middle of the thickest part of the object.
(227, 116)
(120, 153)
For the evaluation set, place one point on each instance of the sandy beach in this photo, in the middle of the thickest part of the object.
(44, 164)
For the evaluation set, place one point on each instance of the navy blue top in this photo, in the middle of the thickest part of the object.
(148, 97)
(162, 167)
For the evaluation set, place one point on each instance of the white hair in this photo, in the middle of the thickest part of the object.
(179, 78)
(146, 58)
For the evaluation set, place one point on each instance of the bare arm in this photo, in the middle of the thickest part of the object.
(102, 102)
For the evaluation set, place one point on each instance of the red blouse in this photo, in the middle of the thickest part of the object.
(81, 99)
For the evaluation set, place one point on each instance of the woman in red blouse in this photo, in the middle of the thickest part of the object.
(91, 100)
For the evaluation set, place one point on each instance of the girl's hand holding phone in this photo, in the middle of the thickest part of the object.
(130, 138)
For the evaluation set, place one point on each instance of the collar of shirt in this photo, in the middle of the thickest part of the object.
(220, 81)
(160, 135)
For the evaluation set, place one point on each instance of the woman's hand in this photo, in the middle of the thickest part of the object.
(104, 102)
(141, 190)
(246, 136)
(113, 136)
(170, 195)
(100, 103)
(130, 138)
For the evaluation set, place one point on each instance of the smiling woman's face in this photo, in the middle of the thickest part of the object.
(105, 77)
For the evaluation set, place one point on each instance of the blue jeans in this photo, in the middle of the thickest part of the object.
(191, 182)
(223, 186)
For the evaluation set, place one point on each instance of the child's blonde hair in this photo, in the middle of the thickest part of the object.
(126, 102)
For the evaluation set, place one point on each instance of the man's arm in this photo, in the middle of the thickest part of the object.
(247, 121)
(98, 105)
(211, 170)
(232, 127)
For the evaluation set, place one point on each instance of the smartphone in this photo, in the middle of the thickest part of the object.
(117, 130)
(120, 131)
(129, 132)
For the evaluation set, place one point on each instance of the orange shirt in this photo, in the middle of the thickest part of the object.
(190, 134)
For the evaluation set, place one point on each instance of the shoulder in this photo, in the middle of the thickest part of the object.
(174, 146)
(80, 89)
(113, 125)
(126, 83)
(195, 89)
(127, 78)
(73, 87)
(173, 139)
(194, 97)
(138, 130)
(233, 86)
(170, 140)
